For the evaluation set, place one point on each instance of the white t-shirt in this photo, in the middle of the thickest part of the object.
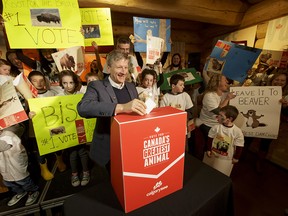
(225, 140)
(180, 101)
(210, 102)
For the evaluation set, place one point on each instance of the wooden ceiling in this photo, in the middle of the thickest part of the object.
(241, 13)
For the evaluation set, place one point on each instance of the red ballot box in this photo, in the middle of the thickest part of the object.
(147, 156)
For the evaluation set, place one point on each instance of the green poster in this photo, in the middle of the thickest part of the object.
(190, 75)
(57, 124)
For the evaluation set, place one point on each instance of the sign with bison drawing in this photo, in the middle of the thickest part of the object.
(70, 59)
(97, 26)
(42, 24)
(259, 110)
(57, 124)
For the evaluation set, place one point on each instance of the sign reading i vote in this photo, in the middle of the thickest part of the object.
(42, 24)
(97, 26)
(57, 124)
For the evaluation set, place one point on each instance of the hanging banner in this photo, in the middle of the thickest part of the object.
(152, 27)
(277, 35)
(57, 124)
(11, 109)
(97, 26)
(259, 110)
(232, 60)
(42, 24)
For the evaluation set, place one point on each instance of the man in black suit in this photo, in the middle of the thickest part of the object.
(106, 98)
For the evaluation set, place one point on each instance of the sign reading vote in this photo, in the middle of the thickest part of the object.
(97, 26)
(42, 24)
(57, 124)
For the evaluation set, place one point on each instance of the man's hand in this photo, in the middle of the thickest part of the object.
(135, 105)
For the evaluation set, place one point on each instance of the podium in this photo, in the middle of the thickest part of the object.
(147, 156)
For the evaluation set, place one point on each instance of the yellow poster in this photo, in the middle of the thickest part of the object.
(42, 24)
(97, 26)
(57, 124)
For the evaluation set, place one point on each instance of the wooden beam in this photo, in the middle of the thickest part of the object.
(264, 11)
(224, 12)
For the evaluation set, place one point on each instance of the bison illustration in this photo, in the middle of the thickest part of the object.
(47, 17)
(67, 62)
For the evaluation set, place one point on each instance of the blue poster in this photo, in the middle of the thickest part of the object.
(153, 27)
(232, 60)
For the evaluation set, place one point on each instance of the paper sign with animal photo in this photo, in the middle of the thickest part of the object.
(259, 110)
(70, 59)
(25, 87)
(238, 60)
(42, 24)
(97, 26)
(191, 76)
(57, 124)
(11, 109)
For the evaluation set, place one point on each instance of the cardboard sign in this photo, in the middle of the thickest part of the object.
(42, 24)
(259, 110)
(11, 109)
(57, 124)
(190, 75)
(70, 59)
(153, 27)
(97, 26)
(147, 165)
(232, 60)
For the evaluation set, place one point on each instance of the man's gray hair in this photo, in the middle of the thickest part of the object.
(116, 55)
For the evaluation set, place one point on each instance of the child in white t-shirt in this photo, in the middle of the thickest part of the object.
(177, 98)
(225, 142)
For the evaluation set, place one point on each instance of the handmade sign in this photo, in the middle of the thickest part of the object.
(152, 27)
(259, 110)
(42, 24)
(11, 109)
(190, 75)
(57, 124)
(70, 59)
(97, 26)
(232, 60)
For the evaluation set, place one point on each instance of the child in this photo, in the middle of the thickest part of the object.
(149, 87)
(13, 168)
(70, 82)
(5, 68)
(91, 77)
(38, 80)
(177, 98)
(225, 142)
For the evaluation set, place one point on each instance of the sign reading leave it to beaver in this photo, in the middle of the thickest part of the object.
(147, 165)
(259, 110)
(57, 124)
(42, 24)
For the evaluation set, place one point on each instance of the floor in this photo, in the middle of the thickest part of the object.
(255, 194)
(259, 194)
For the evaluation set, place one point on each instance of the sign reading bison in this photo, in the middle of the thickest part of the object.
(67, 62)
(47, 17)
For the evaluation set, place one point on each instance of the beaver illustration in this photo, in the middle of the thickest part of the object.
(252, 119)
